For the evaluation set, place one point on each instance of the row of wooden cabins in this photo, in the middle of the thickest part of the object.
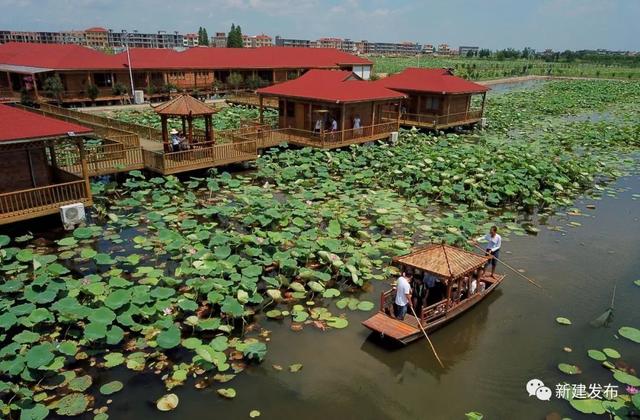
(25, 67)
(321, 108)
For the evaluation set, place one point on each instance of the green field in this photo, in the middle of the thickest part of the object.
(484, 69)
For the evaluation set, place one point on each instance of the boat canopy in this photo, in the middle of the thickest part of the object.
(443, 261)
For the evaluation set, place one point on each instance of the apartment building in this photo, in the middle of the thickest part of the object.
(190, 40)
(288, 42)
(219, 40)
(463, 51)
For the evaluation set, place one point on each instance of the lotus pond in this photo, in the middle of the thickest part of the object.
(241, 295)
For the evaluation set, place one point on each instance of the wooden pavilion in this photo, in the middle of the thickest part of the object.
(32, 181)
(436, 99)
(329, 109)
(186, 108)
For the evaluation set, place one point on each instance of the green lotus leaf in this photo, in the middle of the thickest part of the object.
(39, 355)
(167, 402)
(563, 321)
(597, 355)
(111, 387)
(72, 404)
(169, 338)
(630, 333)
(227, 392)
(80, 383)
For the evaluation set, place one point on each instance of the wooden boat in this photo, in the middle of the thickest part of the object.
(453, 268)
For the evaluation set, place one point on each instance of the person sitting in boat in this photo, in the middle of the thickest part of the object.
(429, 281)
(419, 292)
(494, 242)
(473, 286)
(403, 295)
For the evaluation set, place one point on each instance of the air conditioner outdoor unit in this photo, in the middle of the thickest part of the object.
(483, 122)
(394, 137)
(72, 215)
(138, 97)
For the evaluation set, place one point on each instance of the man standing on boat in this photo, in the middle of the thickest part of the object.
(403, 295)
(494, 242)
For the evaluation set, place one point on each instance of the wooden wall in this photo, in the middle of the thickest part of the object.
(15, 174)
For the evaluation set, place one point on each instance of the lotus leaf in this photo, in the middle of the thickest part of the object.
(227, 392)
(111, 387)
(563, 321)
(569, 369)
(167, 402)
(72, 404)
(630, 333)
(80, 383)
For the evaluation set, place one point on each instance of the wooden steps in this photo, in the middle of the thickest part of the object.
(391, 327)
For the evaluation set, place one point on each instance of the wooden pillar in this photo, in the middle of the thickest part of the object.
(165, 133)
(85, 169)
(190, 120)
(343, 118)
(373, 117)
(419, 110)
(312, 123)
(261, 110)
(285, 118)
(35, 87)
(147, 79)
(52, 154)
(184, 124)
(10, 84)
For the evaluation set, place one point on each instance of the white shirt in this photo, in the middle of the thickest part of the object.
(318, 125)
(493, 243)
(356, 123)
(403, 288)
(334, 125)
(473, 287)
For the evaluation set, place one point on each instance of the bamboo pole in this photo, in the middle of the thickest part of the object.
(433, 349)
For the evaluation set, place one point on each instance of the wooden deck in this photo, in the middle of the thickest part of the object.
(133, 146)
(391, 327)
(35, 202)
(326, 140)
(436, 122)
(200, 158)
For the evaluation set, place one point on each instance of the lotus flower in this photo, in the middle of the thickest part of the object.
(632, 390)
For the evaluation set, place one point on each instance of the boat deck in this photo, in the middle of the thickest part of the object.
(391, 327)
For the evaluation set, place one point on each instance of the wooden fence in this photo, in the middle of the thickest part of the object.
(34, 202)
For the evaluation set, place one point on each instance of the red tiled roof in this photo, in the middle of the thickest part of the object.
(242, 58)
(430, 80)
(331, 86)
(75, 57)
(18, 124)
(56, 56)
(96, 29)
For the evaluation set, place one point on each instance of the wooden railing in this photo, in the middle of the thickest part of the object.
(432, 120)
(102, 159)
(200, 157)
(111, 133)
(270, 138)
(251, 99)
(143, 131)
(19, 205)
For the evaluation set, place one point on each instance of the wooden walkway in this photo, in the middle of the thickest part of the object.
(251, 99)
(131, 146)
(327, 140)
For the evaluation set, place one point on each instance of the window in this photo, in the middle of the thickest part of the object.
(432, 103)
(291, 109)
(102, 79)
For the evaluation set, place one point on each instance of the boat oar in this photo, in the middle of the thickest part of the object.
(428, 339)
(511, 268)
(607, 316)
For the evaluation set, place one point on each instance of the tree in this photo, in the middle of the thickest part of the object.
(470, 54)
(234, 39)
(93, 92)
(53, 87)
(235, 80)
(484, 53)
(203, 37)
(255, 82)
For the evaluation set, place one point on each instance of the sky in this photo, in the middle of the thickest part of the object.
(494, 24)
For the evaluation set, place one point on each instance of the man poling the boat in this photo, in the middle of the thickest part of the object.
(492, 249)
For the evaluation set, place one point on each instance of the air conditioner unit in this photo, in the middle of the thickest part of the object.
(72, 215)
(138, 97)
(483, 122)
(394, 137)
